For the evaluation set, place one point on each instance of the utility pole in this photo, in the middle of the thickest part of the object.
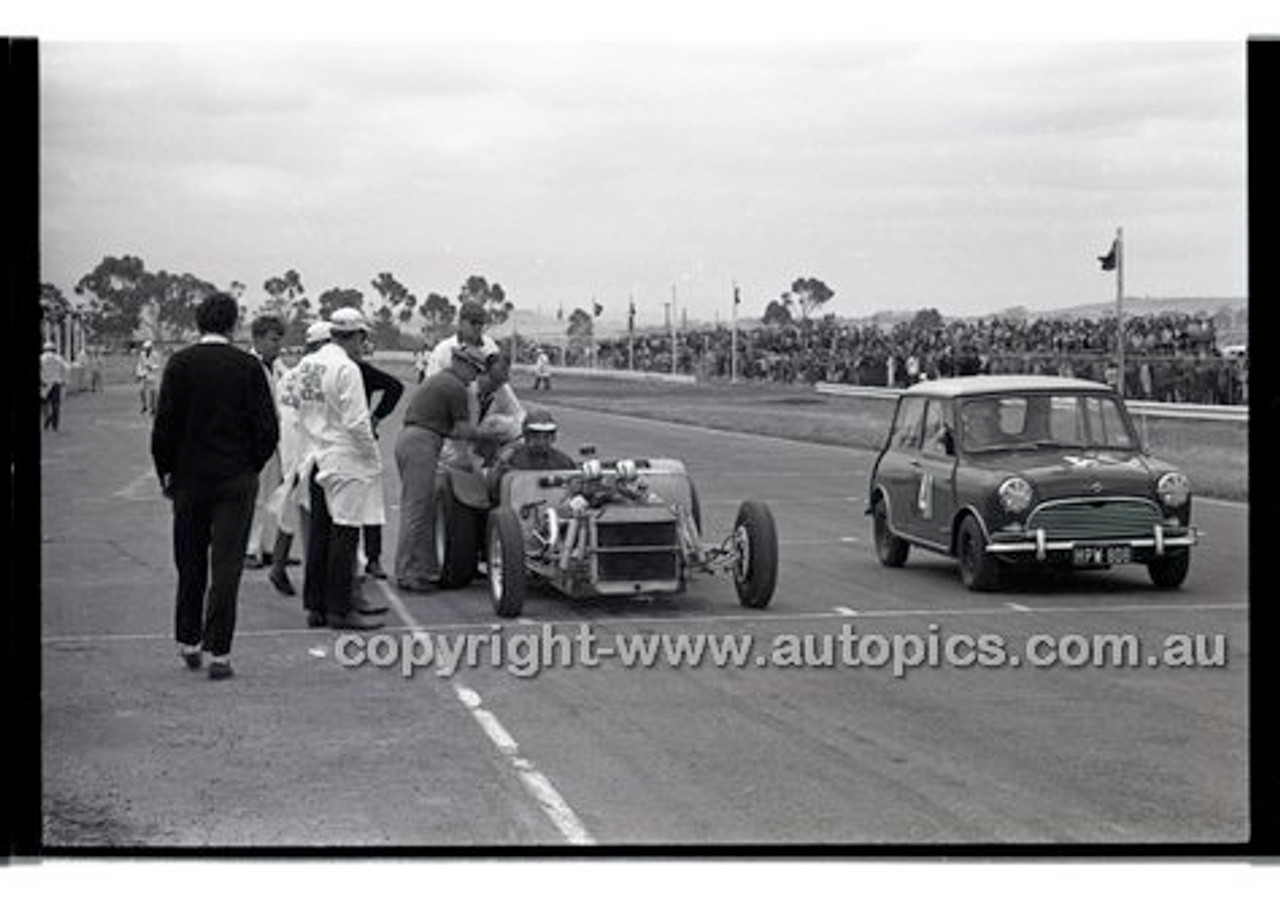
(1120, 309)
(733, 338)
(675, 348)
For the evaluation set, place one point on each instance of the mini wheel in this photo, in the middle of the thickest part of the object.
(1168, 572)
(979, 570)
(755, 541)
(505, 556)
(891, 550)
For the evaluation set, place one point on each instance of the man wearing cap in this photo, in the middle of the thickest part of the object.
(496, 413)
(145, 373)
(538, 452)
(342, 472)
(471, 321)
(215, 427)
(439, 409)
(53, 375)
(291, 502)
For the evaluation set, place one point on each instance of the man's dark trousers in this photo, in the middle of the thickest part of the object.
(53, 406)
(211, 521)
(331, 559)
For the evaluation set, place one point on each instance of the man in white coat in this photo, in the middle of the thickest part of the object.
(343, 469)
(290, 498)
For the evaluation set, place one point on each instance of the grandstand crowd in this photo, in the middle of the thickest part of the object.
(1169, 357)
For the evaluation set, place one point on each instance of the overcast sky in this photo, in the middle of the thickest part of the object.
(970, 176)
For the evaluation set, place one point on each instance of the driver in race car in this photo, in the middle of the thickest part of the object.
(538, 453)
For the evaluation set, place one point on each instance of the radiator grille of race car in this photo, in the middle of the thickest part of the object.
(637, 551)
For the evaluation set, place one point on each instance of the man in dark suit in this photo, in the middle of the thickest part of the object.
(215, 428)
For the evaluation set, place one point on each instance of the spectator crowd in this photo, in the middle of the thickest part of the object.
(1170, 357)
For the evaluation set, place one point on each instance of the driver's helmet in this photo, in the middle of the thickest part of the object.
(539, 421)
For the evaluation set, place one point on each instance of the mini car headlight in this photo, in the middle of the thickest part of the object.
(1173, 489)
(1015, 495)
(592, 469)
(627, 470)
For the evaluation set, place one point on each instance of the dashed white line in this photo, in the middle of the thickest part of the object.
(1017, 608)
(553, 805)
(845, 610)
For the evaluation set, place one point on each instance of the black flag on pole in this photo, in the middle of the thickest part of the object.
(1109, 261)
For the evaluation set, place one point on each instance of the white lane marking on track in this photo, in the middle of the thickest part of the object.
(553, 805)
(1017, 608)
(820, 541)
(682, 620)
(846, 611)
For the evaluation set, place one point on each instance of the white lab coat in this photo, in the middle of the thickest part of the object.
(338, 441)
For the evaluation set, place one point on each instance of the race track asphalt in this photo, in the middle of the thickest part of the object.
(300, 751)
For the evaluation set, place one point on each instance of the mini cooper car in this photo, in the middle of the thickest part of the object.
(608, 528)
(1004, 470)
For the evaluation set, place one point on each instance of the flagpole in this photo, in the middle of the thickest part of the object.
(733, 339)
(631, 333)
(1120, 309)
(675, 350)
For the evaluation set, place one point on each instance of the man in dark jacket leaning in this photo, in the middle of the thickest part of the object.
(215, 427)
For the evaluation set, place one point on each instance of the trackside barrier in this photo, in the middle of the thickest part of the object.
(1140, 408)
(608, 374)
(611, 374)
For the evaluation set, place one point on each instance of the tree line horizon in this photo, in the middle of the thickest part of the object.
(118, 296)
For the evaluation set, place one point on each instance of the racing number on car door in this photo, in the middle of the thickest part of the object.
(936, 464)
(924, 496)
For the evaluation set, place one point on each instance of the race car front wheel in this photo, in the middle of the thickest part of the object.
(505, 556)
(755, 542)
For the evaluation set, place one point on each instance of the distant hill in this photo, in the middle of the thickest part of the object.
(1152, 306)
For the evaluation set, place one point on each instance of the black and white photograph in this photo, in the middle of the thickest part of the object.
(644, 445)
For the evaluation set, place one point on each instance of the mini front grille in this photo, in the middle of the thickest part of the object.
(1095, 519)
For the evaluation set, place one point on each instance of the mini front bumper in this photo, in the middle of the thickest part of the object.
(1036, 542)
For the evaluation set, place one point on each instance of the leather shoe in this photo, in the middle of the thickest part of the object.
(375, 569)
(352, 622)
(316, 619)
(193, 658)
(220, 670)
(280, 580)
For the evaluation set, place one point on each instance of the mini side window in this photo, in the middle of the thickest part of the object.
(907, 426)
(937, 428)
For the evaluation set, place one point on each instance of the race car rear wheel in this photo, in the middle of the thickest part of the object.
(1168, 572)
(755, 540)
(505, 557)
(458, 533)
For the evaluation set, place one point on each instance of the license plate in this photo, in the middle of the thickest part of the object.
(1101, 555)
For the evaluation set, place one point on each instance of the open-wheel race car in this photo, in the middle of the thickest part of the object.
(625, 527)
